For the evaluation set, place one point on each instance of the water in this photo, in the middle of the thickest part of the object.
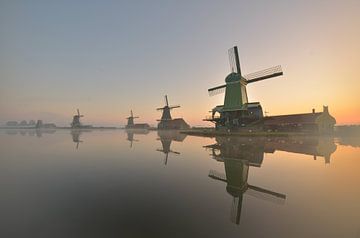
(151, 184)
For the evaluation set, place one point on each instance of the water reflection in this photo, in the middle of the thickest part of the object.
(238, 154)
(131, 132)
(76, 136)
(31, 132)
(95, 191)
(315, 146)
(166, 137)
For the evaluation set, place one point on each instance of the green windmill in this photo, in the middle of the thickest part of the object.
(237, 111)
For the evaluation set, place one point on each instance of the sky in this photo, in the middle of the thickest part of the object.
(108, 57)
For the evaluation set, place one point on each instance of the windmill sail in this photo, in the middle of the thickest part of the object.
(217, 90)
(176, 106)
(264, 74)
(266, 195)
(234, 60)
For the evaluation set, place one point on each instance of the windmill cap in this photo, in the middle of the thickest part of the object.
(232, 77)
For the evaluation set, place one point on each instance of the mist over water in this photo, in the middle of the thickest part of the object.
(117, 183)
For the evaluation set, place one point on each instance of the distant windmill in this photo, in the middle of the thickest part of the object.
(76, 120)
(166, 110)
(237, 110)
(130, 119)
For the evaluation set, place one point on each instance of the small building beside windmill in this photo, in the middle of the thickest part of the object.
(318, 122)
(173, 124)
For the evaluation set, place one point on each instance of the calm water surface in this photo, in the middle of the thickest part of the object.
(120, 183)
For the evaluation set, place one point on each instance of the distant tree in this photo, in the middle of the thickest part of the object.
(23, 123)
(12, 123)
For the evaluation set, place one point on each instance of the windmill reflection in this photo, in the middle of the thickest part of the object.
(166, 137)
(239, 153)
(130, 134)
(76, 135)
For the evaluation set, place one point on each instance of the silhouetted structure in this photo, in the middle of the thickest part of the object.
(12, 123)
(166, 137)
(23, 123)
(321, 122)
(76, 121)
(132, 125)
(166, 121)
(237, 111)
(40, 124)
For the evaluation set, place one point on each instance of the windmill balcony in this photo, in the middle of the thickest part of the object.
(211, 118)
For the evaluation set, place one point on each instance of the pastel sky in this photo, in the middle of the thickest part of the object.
(107, 57)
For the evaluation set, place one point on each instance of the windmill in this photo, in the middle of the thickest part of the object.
(167, 122)
(76, 120)
(166, 116)
(236, 110)
(130, 119)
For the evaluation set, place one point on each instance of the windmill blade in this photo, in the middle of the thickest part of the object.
(217, 176)
(174, 152)
(266, 195)
(166, 101)
(131, 114)
(176, 106)
(166, 158)
(78, 112)
(216, 90)
(135, 117)
(234, 60)
(236, 210)
(160, 108)
(264, 74)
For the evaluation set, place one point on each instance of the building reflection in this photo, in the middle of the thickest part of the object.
(353, 141)
(166, 137)
(315, 146)
(239, 153)
(131, 132)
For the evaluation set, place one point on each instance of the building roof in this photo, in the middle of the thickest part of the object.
(304, 118)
